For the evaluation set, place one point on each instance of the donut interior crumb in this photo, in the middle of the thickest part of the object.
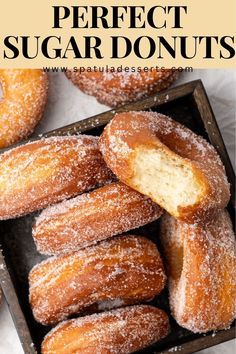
(167, 180)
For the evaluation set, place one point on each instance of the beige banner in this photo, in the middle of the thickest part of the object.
(168, 33)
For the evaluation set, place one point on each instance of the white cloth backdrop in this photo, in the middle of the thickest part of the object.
(67, 105)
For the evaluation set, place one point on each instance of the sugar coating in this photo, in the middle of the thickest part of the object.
(24, 98)
(201, 263)
(110, 304)
(117, 88)
(124, 268)
(42, 172)
(92, 217)
(121, 331)
(130, 132)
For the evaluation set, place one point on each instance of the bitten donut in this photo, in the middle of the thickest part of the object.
(166, 161)
(24, 98)
(92, 217)
(128, 268)
(121, 331)
(45, 171)
(117, 88)
(201, 265)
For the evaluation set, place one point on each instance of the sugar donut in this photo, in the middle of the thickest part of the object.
(121, 331)
(45, 171)
(126, 268)
(166, 161)
(201, 264)
(117, 88)
(24, 98)
(92, 217)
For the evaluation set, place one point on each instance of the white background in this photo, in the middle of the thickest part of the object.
(67, 105)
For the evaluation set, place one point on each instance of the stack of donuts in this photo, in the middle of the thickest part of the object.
(96, 284)
(23, 96)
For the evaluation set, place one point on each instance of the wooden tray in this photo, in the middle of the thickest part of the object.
(187, 104)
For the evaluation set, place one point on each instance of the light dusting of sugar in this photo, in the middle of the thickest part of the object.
(118, 88)
(203, 291)
(110, 304)
(124, 268)
(24, 98)
(92, 217)
(40, 173)
(119, 331)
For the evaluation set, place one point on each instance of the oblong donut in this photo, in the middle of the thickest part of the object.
(201, 266)
(121, 331)
(45, 171)
(92, 217)
(24, 98)
(128, 268)
(118, 88)
(164, 160)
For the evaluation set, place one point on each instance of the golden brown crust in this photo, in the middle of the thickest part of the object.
(118, 88)
(92, 217)
(201, 264)
(129, 132)
(124, 268)
(43, 172)
(121, 331)
(24, 98)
